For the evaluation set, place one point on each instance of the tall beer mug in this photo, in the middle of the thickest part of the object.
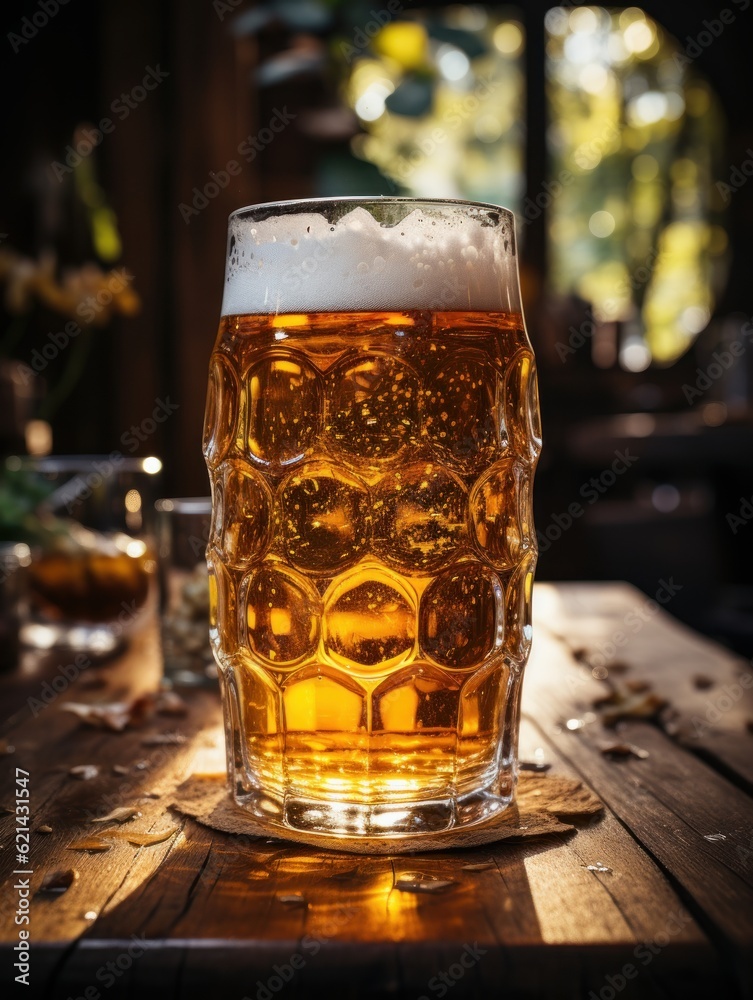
(371, 434)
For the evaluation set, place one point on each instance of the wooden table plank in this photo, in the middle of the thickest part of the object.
(208, 903)
(48, 745)
(670, 802)
(229, 894)
(235, 887)
(709, 689)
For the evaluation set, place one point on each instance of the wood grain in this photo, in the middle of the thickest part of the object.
(670, 802)
(709, 689)
(542, 918)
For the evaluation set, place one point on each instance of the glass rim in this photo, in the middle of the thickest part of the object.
(183, 505)
(83, 463)
(294, 206)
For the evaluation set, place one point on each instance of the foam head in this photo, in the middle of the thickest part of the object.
(364, 255)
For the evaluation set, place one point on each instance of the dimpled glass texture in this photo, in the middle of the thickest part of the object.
(372, 548)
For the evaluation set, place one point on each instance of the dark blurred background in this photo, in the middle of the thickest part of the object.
(621, 137)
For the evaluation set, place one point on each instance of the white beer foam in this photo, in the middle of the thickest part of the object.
(440, 260)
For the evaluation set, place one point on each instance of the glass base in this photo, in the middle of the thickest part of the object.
(374, 784)
(98, 641)
(186, 673)
(383, 820)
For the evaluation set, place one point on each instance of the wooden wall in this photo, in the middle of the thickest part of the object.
(190, 125)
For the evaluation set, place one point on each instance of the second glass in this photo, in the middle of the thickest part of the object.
(371, 435)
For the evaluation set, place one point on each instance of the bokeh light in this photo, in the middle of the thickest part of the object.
(441, 103)
(638, 231)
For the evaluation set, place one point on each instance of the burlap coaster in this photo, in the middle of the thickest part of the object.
(543, 806)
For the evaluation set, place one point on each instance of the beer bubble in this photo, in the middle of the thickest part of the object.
(420, 518)
(283, 396)
(222, 397)
(462, 394)
(417, 697)
(325, 518)
(460, 618)
(368, 419)
(369, 619)
(501, 524)
(281, 614)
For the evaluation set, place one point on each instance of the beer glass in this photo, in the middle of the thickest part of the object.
(371, 435)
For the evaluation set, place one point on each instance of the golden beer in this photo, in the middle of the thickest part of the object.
(372, 548)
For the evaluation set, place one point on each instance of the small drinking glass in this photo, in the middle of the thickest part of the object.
(14, 563)
(88, 522)
(182, 533)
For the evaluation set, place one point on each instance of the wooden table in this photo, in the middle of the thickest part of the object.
(201, 915)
